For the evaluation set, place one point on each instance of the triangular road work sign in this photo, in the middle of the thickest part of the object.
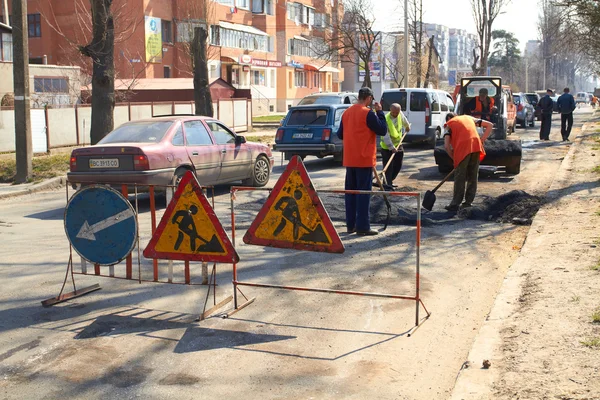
(189, 229)
(293, 216)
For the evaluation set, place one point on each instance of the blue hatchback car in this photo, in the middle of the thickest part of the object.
(311, 131)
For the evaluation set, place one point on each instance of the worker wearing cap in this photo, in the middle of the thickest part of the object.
(396, 123)
(359, 129)
(546, 106)
(464, 146)
(482, 105)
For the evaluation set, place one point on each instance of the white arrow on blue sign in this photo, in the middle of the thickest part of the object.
(100, 224)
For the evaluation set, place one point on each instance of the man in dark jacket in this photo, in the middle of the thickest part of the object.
(566, 106)
(546, 105)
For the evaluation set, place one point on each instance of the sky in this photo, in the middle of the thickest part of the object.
(520, 16)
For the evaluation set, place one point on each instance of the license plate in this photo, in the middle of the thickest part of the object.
(302, 136)
(104, 163)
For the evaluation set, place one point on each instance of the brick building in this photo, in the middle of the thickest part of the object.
(262, 45)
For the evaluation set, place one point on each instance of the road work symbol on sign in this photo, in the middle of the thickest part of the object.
(100, 224)
(293, 216)
(189, 230)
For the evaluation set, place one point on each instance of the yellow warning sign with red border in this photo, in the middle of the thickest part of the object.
(293, 216)
(189, 229)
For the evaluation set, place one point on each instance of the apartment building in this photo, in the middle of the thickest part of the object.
(460, 48)
(263, 45)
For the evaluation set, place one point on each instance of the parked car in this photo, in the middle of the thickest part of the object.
(534, 99)
(581, 97)
(554, 103)
(311, 131)
(525, 110)
(329, 98)
(159, 151)
(426, 112)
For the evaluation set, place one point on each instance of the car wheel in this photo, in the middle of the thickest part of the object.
(532, 123)
(524, 122)
(432, 141)
(261, 172)
(175, 182)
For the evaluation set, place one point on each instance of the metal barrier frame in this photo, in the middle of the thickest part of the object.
(211, 281)
(416, 297)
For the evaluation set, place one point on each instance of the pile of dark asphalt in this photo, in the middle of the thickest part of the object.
(517, 207)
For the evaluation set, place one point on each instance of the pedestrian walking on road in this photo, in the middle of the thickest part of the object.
(566, 106)
(359, 129)
(396, 124)
(464, 146)
(546, 105)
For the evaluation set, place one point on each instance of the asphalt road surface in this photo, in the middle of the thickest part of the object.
(141, 340)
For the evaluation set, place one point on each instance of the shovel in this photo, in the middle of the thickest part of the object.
(429, 198)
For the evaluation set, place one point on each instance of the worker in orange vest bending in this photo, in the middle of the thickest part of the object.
(464, 146)
(359, 129)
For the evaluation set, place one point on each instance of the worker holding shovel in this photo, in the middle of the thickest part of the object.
(391, 143)
(464, 146)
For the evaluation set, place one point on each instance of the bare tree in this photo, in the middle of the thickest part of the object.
(415, 16)
(100, 26)
(202, 95)
(352, 38)
(429, 61)
(485, 13)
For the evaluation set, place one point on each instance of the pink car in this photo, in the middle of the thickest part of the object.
(159, 151)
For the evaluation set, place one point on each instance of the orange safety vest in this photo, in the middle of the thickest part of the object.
(479, 105)
(360, 145)
(464, 138)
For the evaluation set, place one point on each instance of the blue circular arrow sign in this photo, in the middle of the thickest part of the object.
(101, 225)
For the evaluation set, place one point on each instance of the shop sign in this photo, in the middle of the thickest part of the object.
(266, 63)
(295, 64)
(245, 59)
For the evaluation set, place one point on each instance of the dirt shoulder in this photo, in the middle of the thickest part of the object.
(540, 336)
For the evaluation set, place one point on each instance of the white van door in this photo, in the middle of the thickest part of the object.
(416, 112)
(436, 109)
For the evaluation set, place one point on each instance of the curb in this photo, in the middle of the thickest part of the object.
(472, 381)
(52, 183)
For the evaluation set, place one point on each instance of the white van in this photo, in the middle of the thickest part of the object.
(581, 97)
(426, 112)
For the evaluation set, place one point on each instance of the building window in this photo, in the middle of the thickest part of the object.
(294, 11)
(6, 53)
(307, 48)
(50, 85)
(235, 76)
(258, 78)
(245, 4)
(167, 72)
(34, 25)
(167, 31)
(316, 79)
(238, 39)
(262, 7)
(226, 2)
(300, 77)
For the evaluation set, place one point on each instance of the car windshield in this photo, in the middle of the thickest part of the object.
(532, 98)
(474, 87)
(389, 98)
(308, 117)
(320, 100)
(138, 132)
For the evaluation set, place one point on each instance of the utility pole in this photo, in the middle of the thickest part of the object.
(526, 74)
(406, 47)
(23, 144)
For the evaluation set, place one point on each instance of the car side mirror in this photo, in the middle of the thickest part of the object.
(240, 139)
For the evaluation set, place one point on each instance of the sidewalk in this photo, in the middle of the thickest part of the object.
(543, 312)
(9, 190)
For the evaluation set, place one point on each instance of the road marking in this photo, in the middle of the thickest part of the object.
(87, 231)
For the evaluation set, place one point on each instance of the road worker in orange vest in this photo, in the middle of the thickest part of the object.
(464, 146)
(481, 106)
(359, 129)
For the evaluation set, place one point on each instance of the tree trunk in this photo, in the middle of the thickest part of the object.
(101, 51)
(202, 95)
(429, 61)
(367, 80)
